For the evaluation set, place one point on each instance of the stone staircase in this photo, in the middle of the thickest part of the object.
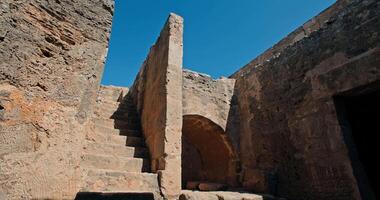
(116, 159)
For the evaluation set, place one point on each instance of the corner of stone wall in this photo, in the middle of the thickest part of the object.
(289, 132)
(52, 56)
(157, 92)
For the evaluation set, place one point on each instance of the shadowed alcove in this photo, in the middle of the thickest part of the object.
(358, 112)
(207, 154)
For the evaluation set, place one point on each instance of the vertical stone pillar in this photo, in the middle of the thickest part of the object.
(170, 176)
(157, 92)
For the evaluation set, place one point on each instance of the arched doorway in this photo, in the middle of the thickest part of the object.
(207, 154)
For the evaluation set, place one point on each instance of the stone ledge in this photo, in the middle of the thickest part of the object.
(221, 195)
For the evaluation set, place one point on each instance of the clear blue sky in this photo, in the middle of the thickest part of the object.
(220, 37)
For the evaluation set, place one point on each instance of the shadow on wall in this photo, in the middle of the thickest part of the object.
(207, 154)
(127, 122)
(249, 174)
(358, 112)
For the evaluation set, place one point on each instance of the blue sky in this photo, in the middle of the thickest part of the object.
(220, 36)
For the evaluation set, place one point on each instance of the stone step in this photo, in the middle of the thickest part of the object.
(127, 131)
(123, 116)
(109, 195)
(113, 97)
(112, 93)
(110, 108)
(102, 101)
(98, 161)
(121, 122)
(191, 195)
(119, 181)
(116, 139)
(109, 111)
(117, 115)
(127, 124)
(117, 150)
(115, 104)
(111, 89)
(110, 96)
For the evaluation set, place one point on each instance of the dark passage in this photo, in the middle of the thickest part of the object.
(359, 117)
(113, 196)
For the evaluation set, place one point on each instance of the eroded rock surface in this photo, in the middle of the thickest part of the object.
(157, 93)
(207, 97)
(196, 195)
(291, 140)
(52, 55)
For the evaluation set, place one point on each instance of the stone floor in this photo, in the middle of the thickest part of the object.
(223, 195)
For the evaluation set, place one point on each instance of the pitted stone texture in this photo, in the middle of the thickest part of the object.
(207, 97)
(195, 195)
(121, 163)
(52, 55)
(157, 92)
(117, 150)
(114, 163)
(119, 181)
(290, 137)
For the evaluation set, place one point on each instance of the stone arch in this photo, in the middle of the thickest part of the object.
(207, 153)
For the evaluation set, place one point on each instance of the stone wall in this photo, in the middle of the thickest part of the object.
(291, 142)
(206, 110)
(52, 56)
(207, 97)
(157, 92)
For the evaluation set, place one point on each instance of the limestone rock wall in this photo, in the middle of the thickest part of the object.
(207, 136)
(207, 97)
(157, 92)
(291, 142)
(52, 56)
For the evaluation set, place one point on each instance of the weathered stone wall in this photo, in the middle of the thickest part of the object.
(157, 92)
(52, 55)
(207, 97)
(206, 110)
(290, 137)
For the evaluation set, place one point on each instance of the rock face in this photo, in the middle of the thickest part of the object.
(195, 195)
(157, 92)
(115, 158)
(52, 55)
(207, 97)
(208, 153)
(292, 123)
(291, 136)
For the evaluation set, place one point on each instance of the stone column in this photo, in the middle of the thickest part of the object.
(157, 92)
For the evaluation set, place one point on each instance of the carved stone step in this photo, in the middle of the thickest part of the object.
(114, 104)
(105, 88)
(115, 139)
(117, 150)
(96, 161)
(189, 195)
(117, 124)
(112, 93)
(108, 114)
(119, 181)
(109, 111)
(110, 108)
(133, 132)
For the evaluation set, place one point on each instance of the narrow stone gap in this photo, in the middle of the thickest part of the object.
(47, 53)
